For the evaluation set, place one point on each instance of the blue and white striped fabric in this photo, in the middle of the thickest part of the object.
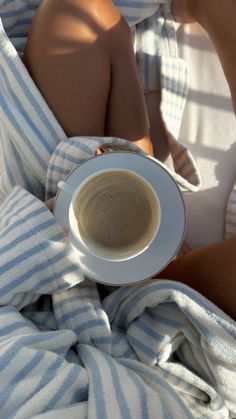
(154, 350)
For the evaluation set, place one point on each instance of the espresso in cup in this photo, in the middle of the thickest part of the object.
(115, 214)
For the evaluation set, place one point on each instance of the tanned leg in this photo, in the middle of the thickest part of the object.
(210, 270)
(80, 55)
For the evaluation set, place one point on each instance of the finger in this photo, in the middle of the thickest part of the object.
(66, 231)
(49, 203)
(100, 150)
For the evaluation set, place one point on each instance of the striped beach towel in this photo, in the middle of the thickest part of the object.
(155, 350)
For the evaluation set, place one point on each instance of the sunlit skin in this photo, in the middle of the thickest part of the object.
(81, 56)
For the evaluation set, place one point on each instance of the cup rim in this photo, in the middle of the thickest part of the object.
(168, 241)
(92, 252)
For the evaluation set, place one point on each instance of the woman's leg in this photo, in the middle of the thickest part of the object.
(81, 57)
(210, 270)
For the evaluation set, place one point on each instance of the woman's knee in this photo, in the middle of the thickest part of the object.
(101, 15)
(61, 26)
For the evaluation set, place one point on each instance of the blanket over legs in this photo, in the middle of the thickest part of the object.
(158, 349)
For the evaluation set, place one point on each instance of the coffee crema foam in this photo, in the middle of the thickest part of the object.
(117, 214)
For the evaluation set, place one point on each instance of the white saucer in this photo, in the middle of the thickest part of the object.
(171, 231)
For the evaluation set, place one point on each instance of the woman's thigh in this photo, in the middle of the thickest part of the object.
(68, 58)
(81, 57)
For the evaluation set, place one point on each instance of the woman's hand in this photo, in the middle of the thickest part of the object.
(49, 203)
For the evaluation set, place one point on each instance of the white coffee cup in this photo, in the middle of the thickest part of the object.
(114, 214)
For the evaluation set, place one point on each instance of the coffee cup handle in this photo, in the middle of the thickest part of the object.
(65, 187)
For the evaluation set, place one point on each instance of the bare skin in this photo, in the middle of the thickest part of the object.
(211, 270)
(74, 55)
(80, 55)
